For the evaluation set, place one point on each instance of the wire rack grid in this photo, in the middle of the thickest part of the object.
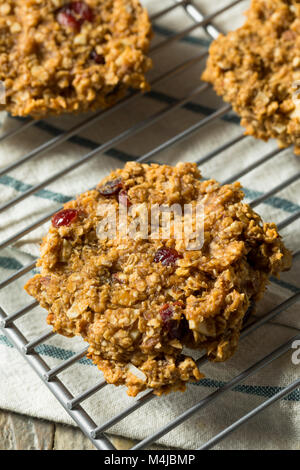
(73, 404)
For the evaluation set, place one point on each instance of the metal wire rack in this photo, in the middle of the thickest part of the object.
(72, 404)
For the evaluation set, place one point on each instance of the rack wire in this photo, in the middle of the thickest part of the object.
(73, 404)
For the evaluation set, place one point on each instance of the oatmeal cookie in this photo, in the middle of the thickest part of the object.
(140, 301)
(255, 69)
(58, 56)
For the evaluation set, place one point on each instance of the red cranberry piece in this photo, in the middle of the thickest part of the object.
(166, 313)
(74, 14)
(99, 59)
(123, 198)
(166, 256)
(83, 11)
(111, 188)
(66, 18)
(64, 217)
(176, 329)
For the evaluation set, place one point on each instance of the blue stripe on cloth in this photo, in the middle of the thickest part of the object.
(153, 94)
(59, 353)
(5, 341)
(275, 202)
(18, 185)
(82, 141)
(193, 40)
(191, 106)
(10, 263)
(50, 351)
(257, 390)
(285, 285)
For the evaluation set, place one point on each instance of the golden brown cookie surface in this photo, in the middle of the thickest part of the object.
(255, 67)
(139, 302)
(58, 56)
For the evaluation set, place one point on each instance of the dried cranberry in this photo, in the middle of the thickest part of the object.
(166, 256)
(83, 11)
(176, 329)
(123, 198)
(74, 14)
(98, 58)
(111, 188)
(65, 18)
(64, 217)
(166, 313)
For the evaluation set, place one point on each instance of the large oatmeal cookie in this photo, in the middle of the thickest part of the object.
(140, 301)
(255, 68)
(58, 56)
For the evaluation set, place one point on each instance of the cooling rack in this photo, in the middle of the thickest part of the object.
(28, 349)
